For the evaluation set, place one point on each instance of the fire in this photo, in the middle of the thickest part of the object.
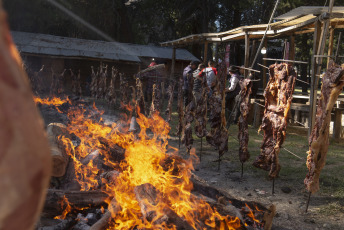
(144, 167)
(53, 101)
(66, 210)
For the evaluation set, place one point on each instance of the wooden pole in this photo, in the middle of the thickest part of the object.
(316, 63)
(313, 92)
(292, 48)
(265, 63)
(253, 50)
(330, 45)
(173, 63)
(205, 52)
(247, 52)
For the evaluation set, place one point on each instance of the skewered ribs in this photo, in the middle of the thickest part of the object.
(332, 85)
(246, 88)
(111, 94)
(201, 111)
(170, 91)
(218, 136)
(278, 96)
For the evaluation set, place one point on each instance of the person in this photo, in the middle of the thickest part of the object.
(210, 74)
(198, 80)
(232, 94)
(187, 74)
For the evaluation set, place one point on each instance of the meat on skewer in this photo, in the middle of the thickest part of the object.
(332, 85)
(181, 126)
(278, 96)
(124, 86)
(246, 88)
(218, 136)
(189, 117)
(25, 160)
(155, 100)
(140, 100)
(111, 95)
(170, 92)
(94, 82)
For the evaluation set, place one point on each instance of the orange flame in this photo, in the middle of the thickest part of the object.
(251, 215)
(144, 158)
(67, 210)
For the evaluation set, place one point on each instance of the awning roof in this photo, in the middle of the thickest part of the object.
(294, 22)
(44, 44)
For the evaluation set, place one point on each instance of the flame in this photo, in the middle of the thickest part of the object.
(145, 156)
(251, 214)
(67, 210)
(55, 101)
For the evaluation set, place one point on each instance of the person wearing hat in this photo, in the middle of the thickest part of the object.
(187, 76)
(232, 93)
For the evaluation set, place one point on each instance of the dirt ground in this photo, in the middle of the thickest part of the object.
(324, 212)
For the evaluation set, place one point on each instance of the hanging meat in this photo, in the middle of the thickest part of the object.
(25, 161)
(189, 117)
(332, 85)
(56, 86)
(102, 82)
(111, 90)
(155, 106)
(94, 82)
(170, 92)
(140, 100)
(246, 89)
(278, 96)
(218, 136)
(201, 111)
(124, 86)
(180, 107)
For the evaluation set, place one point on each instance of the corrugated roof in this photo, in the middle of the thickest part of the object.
(73, 47)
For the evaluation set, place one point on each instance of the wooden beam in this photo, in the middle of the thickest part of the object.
(330, 45)
(247, 52)
(297, 26)
(233, 36)
(292, 48)
(173, 63)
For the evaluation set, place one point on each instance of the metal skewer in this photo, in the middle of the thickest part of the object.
(283, 60)
(263, 66)
(200, 154)
(247, 68)
(309, 197)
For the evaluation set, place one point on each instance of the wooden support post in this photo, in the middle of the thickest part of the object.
(337, 124)
(316, 63)
(257, 115)
(173, 63)
(264, 63)
(314, 83)
(253, 51)
(247, 52)
(205, 52)
(292, 48)
(330, 45)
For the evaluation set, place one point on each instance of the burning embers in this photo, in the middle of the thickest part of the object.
(146, 186)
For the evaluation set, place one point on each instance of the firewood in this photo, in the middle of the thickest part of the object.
(147, 195)
(59, 156)
(112, 151)
(77, 199)
(104, 222)
(62, 225)
(25, 161)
